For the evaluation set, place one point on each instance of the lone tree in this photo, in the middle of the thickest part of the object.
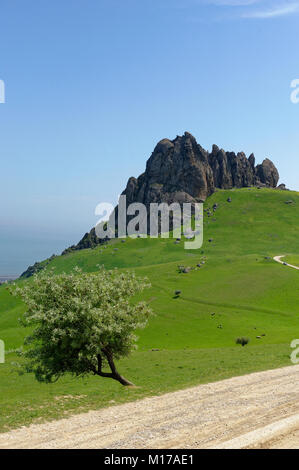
(81, 322)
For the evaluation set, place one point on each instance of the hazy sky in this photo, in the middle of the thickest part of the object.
(92, 85)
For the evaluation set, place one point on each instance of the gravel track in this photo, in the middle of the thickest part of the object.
(220, 414)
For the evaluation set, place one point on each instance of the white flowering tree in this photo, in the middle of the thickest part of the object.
(81, 322)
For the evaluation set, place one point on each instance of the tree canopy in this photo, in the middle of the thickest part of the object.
(81, 322)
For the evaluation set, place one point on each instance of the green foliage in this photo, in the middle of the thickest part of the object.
(243, 341)
(80, 321)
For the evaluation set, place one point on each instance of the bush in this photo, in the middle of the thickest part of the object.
(243, 341)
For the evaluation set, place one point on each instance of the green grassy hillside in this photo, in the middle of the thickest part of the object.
(238, 291)
(292, 259)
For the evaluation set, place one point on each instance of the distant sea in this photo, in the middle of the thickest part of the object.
(8, 278)
(16, 254)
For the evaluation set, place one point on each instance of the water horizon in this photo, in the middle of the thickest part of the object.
(8, 277)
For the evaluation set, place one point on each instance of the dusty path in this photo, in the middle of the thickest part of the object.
(278, 259)
(210, 415)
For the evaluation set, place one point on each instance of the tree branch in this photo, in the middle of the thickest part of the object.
(99, 371)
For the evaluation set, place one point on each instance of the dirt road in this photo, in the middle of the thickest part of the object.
(256, 410)
(278, 259)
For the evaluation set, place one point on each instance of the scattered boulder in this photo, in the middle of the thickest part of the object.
(184, 269)
(282, 187)
(187, 269)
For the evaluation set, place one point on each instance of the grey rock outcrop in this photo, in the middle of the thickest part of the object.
(177, 171)
(180, 170)
(267, 173)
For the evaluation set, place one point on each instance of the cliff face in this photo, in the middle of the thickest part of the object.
(180, 170)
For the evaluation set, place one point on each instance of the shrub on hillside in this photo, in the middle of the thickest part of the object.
(243, 341)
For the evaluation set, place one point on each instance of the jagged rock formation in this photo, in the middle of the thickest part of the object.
(177, 171)
(180, 170)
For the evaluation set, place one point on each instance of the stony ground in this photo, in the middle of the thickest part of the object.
(256, 410)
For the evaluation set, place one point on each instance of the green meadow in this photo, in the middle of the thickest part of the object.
(292, 259)
(238, 290)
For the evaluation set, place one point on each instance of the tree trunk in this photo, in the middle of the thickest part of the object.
(114, 374)
(122, 380)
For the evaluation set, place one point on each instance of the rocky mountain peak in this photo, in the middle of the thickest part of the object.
(180, 170)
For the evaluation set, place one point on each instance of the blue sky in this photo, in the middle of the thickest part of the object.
(93, 85)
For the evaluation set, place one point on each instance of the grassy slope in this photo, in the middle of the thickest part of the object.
(248, 294)
(292, 259)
